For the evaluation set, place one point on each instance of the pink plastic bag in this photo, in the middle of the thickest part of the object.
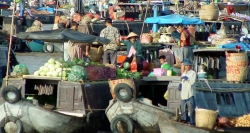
(159, 72)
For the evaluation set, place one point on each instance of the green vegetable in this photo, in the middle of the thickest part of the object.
(126, 65)
(51, 61)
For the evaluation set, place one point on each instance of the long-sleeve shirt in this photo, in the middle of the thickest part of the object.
(188, 86)
(137, 46)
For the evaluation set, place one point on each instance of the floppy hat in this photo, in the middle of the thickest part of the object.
(187, 62)
(131, 34)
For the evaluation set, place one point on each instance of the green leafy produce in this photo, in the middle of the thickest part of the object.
(20, 70)
(126, 65)
(81, 62)
(74, 77)
(122, 73)
(210, 77)
(81, 70)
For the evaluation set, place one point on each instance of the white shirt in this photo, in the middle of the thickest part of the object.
(188, 86)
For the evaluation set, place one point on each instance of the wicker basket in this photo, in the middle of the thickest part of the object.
(113, 83)
(209, 12)
(205, 118)
(209, 15)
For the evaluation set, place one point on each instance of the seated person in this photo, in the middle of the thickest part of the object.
(165, 65)
(134, 50)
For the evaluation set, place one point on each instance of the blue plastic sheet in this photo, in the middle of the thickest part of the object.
(173, 19)
(233, 45)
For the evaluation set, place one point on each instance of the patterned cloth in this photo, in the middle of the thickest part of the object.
(112, 34)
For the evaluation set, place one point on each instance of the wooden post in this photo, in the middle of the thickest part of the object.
(145, 16)
(9, 50)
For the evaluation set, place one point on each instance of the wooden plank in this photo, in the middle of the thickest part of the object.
(162, 78)
(41, 77)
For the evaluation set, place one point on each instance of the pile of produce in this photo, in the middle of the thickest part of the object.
(19, 70)
(98, 71)
(130, 70)
(243, 121)
(162, 36)
(77, 73)
(57, 68)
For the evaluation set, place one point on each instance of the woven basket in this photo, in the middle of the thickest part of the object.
(96, 54)
(209, 15)
(113, 83)
(209, 12)
(205, 118)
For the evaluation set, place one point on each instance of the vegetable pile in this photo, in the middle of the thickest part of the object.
(19, 70)
(57, 68)
(130, 70)
(98, 71)
(243, 121)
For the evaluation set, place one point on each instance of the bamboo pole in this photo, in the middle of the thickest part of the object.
(145, 16)
(10, 44)
(57, 3)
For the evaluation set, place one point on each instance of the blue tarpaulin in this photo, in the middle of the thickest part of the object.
(233, 45)
(173, 19)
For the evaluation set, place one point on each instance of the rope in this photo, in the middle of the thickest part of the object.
(127, 26)
(91, 25)
(85, 93)
(145, 16)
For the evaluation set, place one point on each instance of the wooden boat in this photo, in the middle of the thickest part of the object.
(36, 118)
(70, 107)
(146, 118)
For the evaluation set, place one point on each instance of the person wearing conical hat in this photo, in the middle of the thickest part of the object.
(134, 50)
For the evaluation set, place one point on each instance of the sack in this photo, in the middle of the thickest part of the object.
(146, 38)
(133, 66)
(166, 95)
(180, 87)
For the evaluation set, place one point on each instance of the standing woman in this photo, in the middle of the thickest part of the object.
(134, 50)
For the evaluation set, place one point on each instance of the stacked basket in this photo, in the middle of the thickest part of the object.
(209, 12)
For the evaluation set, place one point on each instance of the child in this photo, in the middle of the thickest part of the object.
(165, 65)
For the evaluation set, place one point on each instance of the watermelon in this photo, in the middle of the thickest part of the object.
(126, 65)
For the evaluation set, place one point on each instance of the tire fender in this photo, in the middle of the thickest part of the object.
(127, 88)
(11, 89)
(123, 118)
(48, 50)
(7, 119)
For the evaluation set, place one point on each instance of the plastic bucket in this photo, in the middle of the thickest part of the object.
(159, 72)
(236, 66)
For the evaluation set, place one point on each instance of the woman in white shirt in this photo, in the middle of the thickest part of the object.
(187, 92)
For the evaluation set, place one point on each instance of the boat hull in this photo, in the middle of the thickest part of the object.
(38, 119)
